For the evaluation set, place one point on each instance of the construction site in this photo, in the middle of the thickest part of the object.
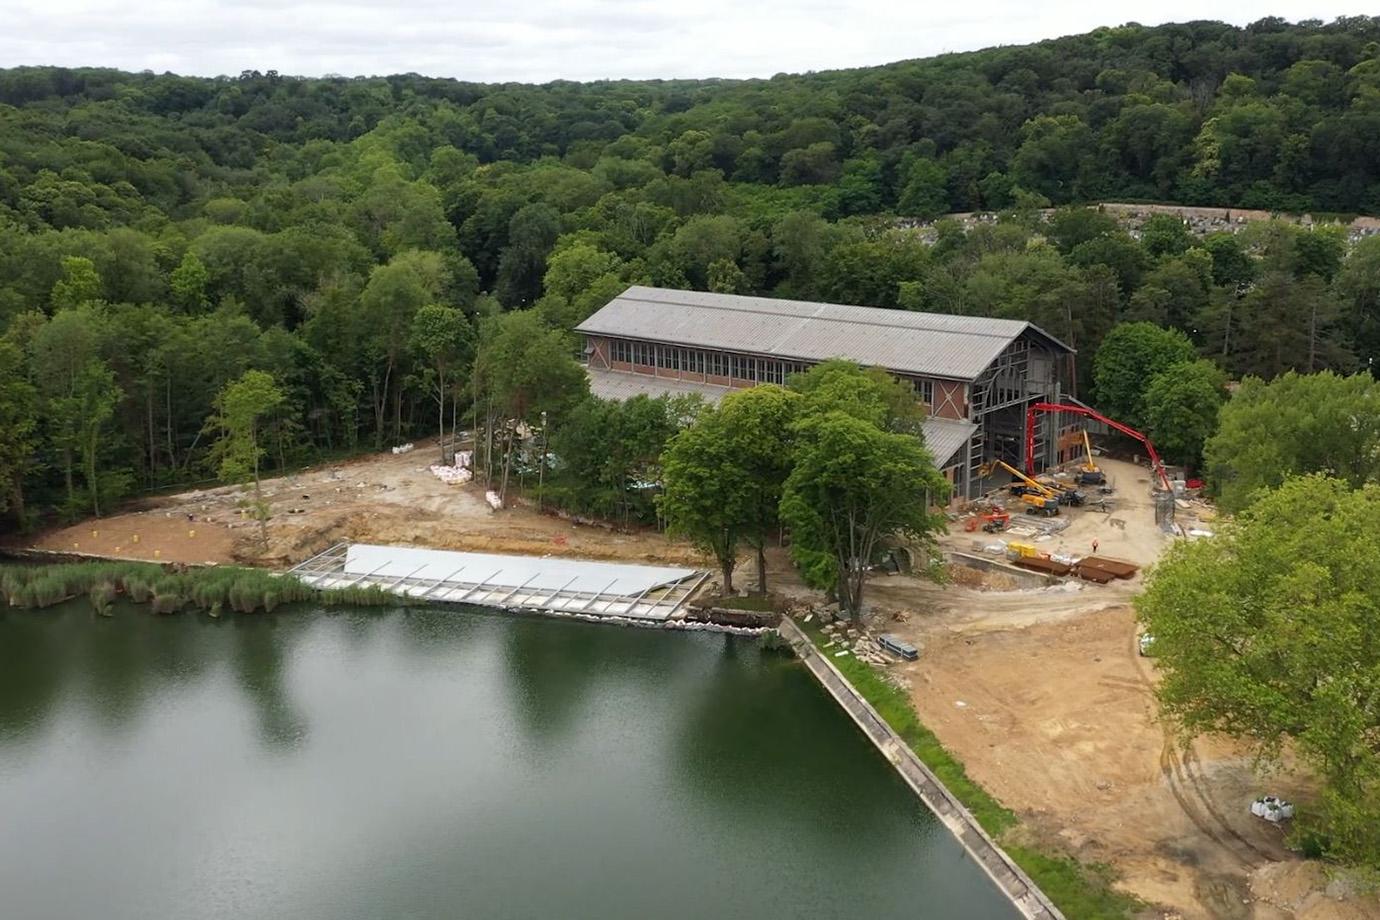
(1030, 667)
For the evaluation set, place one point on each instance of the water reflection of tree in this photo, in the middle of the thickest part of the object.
(262, 645)
(760, 737)
(551, 667)
(114, 653)
(33, 670)
(554, 666)
(114, 666)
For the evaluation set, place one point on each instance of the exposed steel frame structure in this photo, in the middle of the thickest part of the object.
(1031, 424)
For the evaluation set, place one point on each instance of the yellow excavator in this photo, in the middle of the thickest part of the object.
(1037, 497)
(1090, 474)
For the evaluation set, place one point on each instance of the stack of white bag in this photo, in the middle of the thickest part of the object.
(459, 473)
(403, 448)
(451, 475)
(1272, 809)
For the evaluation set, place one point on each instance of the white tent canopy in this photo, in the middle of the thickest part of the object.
(537, 573)
(600, 589)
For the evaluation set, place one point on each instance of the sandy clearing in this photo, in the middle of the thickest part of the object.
(383, 498)
(1043, 696)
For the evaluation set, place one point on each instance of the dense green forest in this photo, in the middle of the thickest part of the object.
(162, 235)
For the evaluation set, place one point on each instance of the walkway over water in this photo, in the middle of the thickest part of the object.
(548, 584)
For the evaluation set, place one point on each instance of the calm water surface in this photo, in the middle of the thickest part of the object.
(429, 764)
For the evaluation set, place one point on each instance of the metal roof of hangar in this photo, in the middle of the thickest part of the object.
(926, 344)
(944, 437)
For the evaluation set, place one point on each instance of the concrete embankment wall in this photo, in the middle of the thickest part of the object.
(1024, 894)
(1023, 577)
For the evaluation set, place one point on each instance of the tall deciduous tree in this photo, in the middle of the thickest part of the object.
(1132, 355)
(704, 497)
(79, 285)
(62, 349)
(95, 400)
(1359, 286)
(724, 475)
(1298, 423)
(760, 425)
(18, 428)
(242, 409)
(610, 454)
(1181, 407)
(925, 193)
(851, 486)
(189, 282)
(523, 369)
(1267, 633)
(867, 393)
(531, 234)
(390, 300)
(446, 338)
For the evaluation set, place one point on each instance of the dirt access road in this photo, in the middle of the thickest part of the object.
(1043, 696)
(379, 498)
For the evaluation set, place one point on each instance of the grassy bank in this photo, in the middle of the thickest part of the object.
(168, 589)
(1081, 891)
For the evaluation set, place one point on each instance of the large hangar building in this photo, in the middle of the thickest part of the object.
(975, 375)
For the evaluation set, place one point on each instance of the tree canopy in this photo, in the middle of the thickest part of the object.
(1181, 406)
(1299, 423)
(1131, 357)
(242, 410)
(1267, 632)
(853, 485)
(193, 229)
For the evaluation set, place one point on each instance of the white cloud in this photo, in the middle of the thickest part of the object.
(538, 40)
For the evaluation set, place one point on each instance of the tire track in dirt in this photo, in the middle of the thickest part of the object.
(1189, 788)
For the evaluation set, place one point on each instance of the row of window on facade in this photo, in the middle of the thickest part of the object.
(711, 363)
(725, 364)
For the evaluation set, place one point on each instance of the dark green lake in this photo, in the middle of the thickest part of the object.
(440, 764)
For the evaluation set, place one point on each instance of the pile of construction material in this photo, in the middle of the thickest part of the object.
(1026, 556)
(458, 473)
(1099, 569)
(1043, 564)
(451, 475)
(1272, 809)
(1102, 569)
(846, 639)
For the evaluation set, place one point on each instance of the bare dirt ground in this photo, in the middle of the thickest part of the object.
(380, 498)
(1042, 694)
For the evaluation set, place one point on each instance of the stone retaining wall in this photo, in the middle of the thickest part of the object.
(728, 616)
(1028, 899)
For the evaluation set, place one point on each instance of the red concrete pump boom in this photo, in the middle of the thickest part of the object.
(1155, 463)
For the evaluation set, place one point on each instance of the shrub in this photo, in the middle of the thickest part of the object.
(211, 589)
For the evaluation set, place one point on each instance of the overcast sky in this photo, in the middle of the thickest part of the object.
(539, 40)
